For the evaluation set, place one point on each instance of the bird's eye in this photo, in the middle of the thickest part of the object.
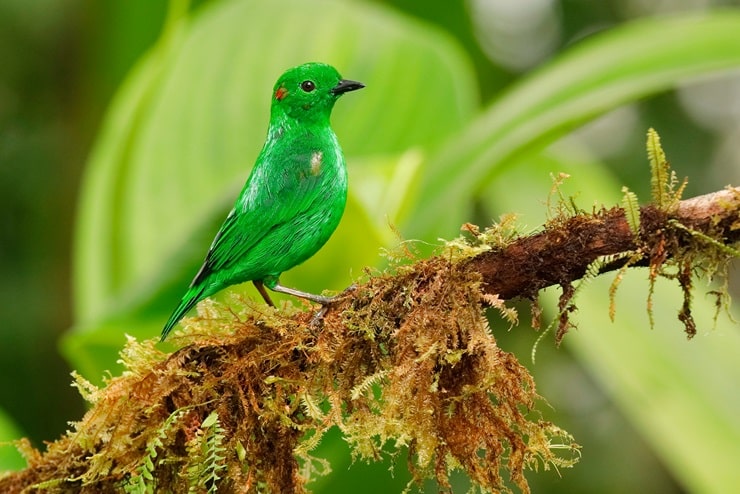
(308, 86)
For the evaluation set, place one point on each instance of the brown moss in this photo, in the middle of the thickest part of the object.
(405, 360)
(410, 361)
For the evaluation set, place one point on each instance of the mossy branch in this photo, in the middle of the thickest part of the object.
(562, 251)
(405, 360)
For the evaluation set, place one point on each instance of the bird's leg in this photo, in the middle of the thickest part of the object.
(318, 319)
(319, 299)
(261, 288)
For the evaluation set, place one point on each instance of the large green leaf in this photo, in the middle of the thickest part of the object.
(182, 135)
(620, 65)
(681, 395)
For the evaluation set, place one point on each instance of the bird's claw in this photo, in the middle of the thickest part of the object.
(318, 319)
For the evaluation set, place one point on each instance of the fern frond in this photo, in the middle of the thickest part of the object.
(143, 481)
(659, 170)
(206, 451)
(509, 314)
(663, 180)
(366, 384)
(312, 408)
(725, 249)
(631, 208)
(89, 392)
(309, 443)
(651, 291)
(679, 193)
(632, 258)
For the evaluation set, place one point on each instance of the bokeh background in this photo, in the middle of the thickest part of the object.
(62, 62)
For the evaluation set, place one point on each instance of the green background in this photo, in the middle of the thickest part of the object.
(126, 129)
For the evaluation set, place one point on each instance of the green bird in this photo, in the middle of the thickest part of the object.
(293, 199)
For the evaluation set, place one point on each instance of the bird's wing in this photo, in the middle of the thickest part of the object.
(271, 198)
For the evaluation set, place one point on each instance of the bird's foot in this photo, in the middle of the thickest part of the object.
(318, 319)
(326, 302)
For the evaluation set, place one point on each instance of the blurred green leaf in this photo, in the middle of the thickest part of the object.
(185, 129)
(10, 458)
(680, 394)
(617, 66)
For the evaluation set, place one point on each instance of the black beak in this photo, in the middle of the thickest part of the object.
(345, 86)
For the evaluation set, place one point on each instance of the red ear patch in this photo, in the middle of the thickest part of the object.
(280, 93)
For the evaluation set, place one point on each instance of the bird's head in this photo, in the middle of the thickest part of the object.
(308, 92)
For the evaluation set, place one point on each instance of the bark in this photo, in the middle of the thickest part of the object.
(560, 254)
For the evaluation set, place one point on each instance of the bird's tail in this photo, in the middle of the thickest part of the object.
(193, 296)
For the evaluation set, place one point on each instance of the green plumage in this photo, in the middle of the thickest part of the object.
(293, 199)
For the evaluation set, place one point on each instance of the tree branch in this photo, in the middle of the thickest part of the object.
(561, 253)
(406, 359)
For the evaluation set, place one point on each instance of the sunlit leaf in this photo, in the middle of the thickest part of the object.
(183, 133)
(620, 65)
(10, 458)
